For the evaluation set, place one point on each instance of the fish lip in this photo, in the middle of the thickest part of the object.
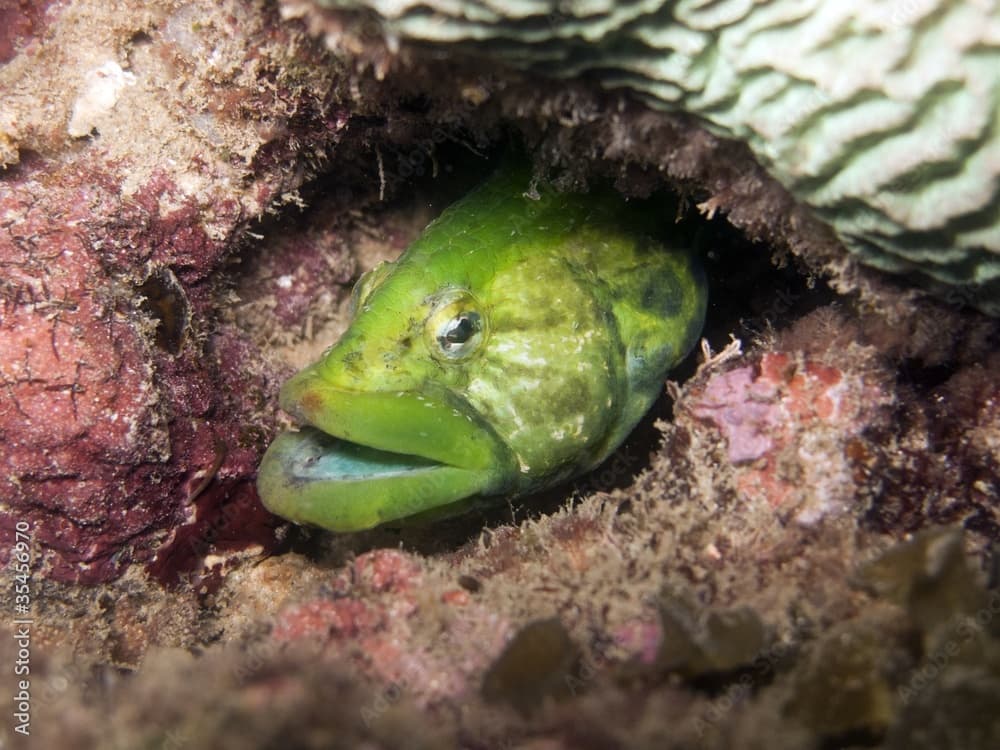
(431, 423)
(311, 477)
(362, 459)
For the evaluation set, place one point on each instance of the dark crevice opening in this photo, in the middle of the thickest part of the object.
(749, 297)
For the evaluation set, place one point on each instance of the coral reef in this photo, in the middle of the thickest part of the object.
(131, 423)
(874, 149)
(797, 549)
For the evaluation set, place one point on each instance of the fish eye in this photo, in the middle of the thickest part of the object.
(459, 330)
(455, 328)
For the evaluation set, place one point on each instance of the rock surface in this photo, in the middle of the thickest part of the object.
(139, 144)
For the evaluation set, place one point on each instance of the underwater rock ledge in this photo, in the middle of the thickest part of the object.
(882, 119)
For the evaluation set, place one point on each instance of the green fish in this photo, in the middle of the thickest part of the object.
(513, 346)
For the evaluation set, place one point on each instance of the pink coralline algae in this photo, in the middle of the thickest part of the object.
(323, 619)
(640, 638)
(348, 615)
(377, 615)
(110, 437)
(19, 23)
(132, 415)
(304, 267)
(787, 423)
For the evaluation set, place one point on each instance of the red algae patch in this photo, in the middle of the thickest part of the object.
(788, 424)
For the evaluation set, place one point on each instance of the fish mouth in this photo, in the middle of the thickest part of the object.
(365, 458)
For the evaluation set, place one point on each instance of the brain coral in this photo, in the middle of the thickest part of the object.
(882, 117)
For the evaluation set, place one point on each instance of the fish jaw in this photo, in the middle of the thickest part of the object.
(314, 478)
(366, 458)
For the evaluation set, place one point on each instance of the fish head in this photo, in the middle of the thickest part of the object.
(491, 358)
(388, 431)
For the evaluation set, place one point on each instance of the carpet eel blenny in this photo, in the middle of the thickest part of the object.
(514, 345)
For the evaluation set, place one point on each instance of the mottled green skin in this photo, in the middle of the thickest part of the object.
(584, 315)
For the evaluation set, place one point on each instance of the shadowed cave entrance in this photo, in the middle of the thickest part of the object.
(294, 292)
